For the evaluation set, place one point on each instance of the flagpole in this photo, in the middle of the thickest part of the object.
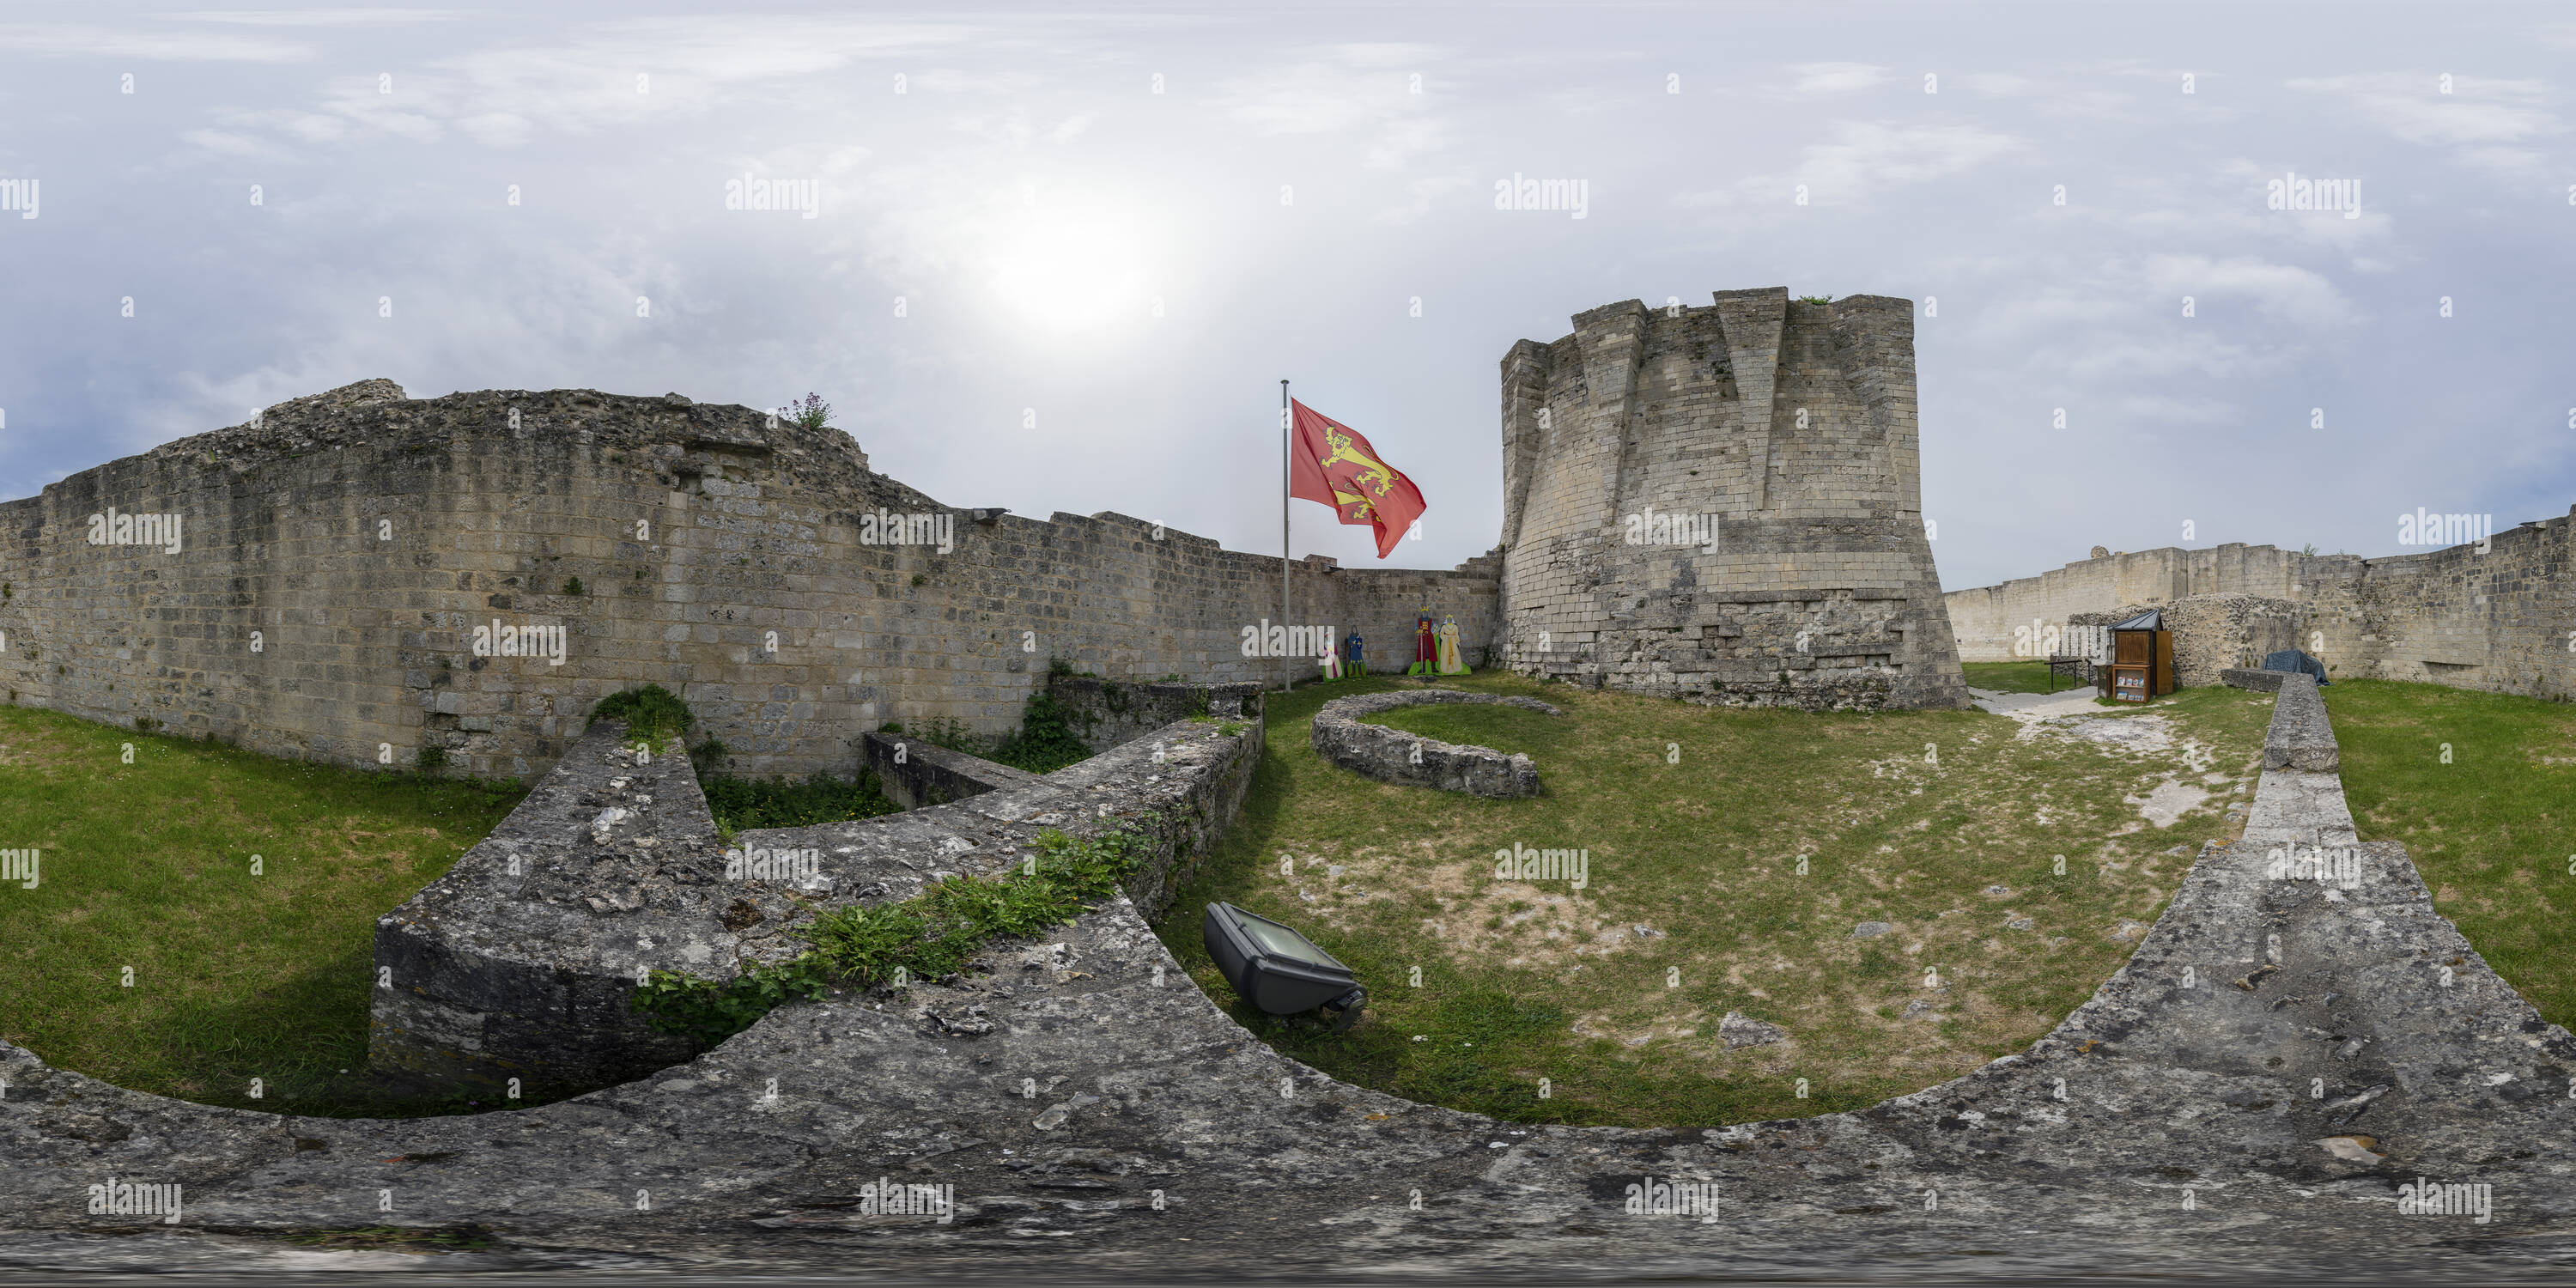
(1287, 681)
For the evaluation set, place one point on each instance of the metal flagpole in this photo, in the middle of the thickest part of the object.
(1286, 676)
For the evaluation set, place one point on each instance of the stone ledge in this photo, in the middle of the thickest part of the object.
(522, 960)
(1108, 713)
(2300, 737)
(916, 774)
(2255, 680)
(519, 960)
(1390, 755)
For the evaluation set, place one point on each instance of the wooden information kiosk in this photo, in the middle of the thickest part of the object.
(2141, 659)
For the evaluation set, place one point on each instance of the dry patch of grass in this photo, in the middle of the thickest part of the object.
(1729, 856)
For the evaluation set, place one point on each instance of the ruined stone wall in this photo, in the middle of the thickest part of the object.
(2498, 619)
(1781, 434)
(2212, 633)
(1983, 618)
(739, 562)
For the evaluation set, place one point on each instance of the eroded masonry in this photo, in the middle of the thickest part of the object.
(1718, 503)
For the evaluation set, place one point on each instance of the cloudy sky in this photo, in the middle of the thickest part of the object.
(1060, 261)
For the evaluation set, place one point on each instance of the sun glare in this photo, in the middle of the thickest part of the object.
(1071, 270)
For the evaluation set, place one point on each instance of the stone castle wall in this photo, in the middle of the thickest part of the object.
(2212, 634)
(2498, 620)
(1782, 434)
(363, 535)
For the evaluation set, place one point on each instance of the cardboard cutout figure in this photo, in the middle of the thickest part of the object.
(1450, 661)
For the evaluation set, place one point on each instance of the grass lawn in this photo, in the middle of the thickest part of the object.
(2481, 788)
(1695, 823)
(2017, 677)
(147, 867)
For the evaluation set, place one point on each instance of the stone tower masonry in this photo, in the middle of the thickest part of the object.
(1724, 504)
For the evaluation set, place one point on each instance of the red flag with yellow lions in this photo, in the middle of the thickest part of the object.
(1331, 463)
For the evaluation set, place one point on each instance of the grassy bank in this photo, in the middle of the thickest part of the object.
(1731, 854)
(2017, 677)
(2481, 788)
(235, 973)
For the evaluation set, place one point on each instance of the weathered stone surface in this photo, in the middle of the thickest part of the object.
(2212, 634)
(1113, 1121)
(917, 774)
(1739, 1030)
(1108, 713)
(795, 597)
(1724, 504)
(2486, 615)
(2300, 736)
(2254, 679)
(1342, 736)
(522, 961)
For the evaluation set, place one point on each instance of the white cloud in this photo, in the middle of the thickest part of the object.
(61, 40)
(2488, 123)
(2283, 293)
(503, 97)
(1836, 78)
(1420, 196)
(1360, 90)
(318, 17)
(1860, 159)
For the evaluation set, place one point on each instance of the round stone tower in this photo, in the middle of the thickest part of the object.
(1724, 504)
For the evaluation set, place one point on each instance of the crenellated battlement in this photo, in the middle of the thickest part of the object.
(1776, 441)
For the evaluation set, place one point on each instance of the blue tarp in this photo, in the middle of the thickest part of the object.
(2290, 659)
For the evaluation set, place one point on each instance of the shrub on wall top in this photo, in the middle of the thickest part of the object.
(652, 712)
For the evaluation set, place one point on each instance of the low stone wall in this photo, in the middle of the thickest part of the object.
(2260, 681)
(1108, 713)
(1394, 756)
(522, 961)
(2300, 736)
(916, 774)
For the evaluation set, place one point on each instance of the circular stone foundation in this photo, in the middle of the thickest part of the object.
(1395, 756)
